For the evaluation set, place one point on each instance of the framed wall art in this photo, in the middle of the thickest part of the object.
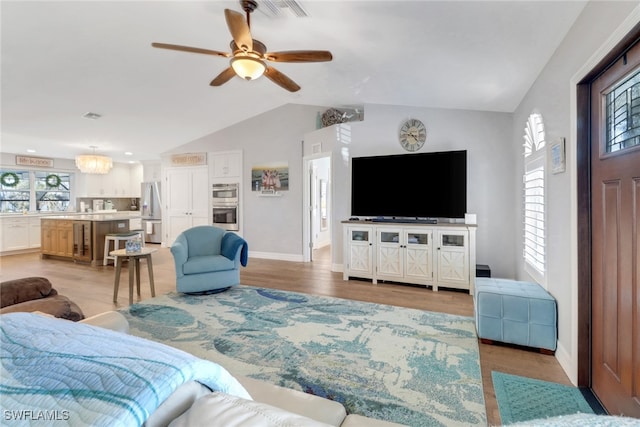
(558, 156)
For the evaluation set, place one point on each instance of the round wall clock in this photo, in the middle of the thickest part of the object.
(412, 135)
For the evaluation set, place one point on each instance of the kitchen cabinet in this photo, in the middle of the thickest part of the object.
(430, 255)
(19, 233)
(80, 238)
(225, 164)
(188, 195)
(15, 234)
(82, 245)
(135, 224)
(99, 230)
(135, 179)
(123, 180)
(57, 238)
(34, 232)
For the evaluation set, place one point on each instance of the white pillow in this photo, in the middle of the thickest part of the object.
(223, 410)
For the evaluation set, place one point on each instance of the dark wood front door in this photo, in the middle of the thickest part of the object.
(615, 225)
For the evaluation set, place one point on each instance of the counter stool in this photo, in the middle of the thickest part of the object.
(116, 238)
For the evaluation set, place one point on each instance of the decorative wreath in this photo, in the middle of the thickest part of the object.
(9, 179)
(53, 181)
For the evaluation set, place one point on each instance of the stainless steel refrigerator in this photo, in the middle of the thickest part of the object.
(151, 210)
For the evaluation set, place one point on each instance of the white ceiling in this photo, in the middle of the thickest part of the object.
(63, 59)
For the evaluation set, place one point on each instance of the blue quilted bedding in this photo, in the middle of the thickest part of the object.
(69, 373)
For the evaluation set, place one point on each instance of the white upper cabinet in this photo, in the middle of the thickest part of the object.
(123, 180)
(225, 164)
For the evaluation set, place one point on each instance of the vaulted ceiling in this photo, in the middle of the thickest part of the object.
(61, 60)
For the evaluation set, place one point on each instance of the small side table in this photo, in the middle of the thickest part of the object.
(134, 270)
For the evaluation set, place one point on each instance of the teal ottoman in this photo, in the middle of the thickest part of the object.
(515, 312)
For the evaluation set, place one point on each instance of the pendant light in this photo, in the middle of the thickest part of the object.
(93, 163)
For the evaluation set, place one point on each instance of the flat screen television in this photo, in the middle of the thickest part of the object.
(420, 186)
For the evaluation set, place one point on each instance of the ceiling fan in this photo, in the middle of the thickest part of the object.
(249, 56)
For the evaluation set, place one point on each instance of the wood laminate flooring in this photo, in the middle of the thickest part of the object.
(92, 289)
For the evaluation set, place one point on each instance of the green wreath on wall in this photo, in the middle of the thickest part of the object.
(53, 181)
(9, 179)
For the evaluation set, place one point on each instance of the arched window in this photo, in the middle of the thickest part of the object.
(534, 198)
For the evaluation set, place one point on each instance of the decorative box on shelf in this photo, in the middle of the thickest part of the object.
(269, 192)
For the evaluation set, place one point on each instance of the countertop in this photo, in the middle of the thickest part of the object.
(117, 216)
(74, 215)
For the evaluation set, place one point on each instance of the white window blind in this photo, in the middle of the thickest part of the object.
(534, 237)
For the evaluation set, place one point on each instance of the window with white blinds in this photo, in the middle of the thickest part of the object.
(534, 199)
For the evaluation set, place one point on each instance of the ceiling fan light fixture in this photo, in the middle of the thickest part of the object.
(247, 67)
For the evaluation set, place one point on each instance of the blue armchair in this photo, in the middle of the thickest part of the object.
(208, 259)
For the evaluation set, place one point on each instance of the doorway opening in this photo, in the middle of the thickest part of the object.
(317, 222)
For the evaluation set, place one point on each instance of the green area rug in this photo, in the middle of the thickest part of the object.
(524, 399)
(402, 365)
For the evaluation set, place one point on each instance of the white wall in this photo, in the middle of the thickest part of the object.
(272, 225)
(485, 135)
(8, 160)
(552, 96)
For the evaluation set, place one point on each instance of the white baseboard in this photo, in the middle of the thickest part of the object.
(20, 251)
(276, 256)
(567, 364)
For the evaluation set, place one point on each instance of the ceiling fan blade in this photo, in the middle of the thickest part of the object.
(281, 80)
(239, 30)
(223, 77)
(299, 56)
(190, 49)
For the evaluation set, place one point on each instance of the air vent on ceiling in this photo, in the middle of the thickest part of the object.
(91, 116)
(281, 8)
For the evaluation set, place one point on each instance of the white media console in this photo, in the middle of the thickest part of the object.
(436, 255)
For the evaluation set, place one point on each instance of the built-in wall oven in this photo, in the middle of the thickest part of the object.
(224, 193)
(225, 206)
(226, 217)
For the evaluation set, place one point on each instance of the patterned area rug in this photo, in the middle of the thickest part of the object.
(524, 399)
(402, 365)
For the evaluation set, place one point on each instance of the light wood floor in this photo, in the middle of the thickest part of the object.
(92, 289)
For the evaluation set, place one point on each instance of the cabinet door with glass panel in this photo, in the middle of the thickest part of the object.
(452, 257)
(404, 254)
(389, 254)
(359, 252)
(418, 255)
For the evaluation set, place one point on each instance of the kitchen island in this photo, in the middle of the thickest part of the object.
(81, 237)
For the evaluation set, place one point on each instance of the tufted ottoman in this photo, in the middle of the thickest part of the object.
(515, 312)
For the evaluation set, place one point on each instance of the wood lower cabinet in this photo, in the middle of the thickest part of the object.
(431, 255)
(57, 238)
(85, 244)
(100, 230)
